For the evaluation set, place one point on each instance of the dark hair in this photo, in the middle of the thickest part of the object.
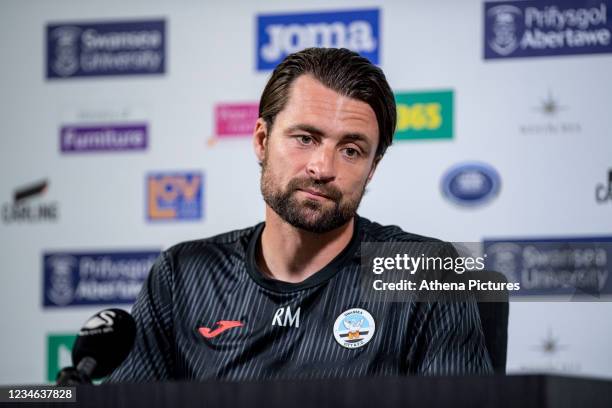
(341, 70)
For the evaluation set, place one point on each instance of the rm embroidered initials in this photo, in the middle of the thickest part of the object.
(285, 318)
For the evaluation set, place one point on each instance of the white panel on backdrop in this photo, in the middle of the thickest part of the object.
(542, 123)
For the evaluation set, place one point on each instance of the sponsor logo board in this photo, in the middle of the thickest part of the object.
(105, 49)
(279, 35)
(59, 353)
(235, 119)
(174, 196)
(603, 191)
(94, 278)
(551, 119)
(541, 28)
(424, 115)
(471, 184)
(575, 267)
(103, 138)
(27, 206)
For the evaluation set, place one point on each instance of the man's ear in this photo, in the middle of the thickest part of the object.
(373, 169)
(260, 135)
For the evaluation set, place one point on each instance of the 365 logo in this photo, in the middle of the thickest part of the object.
(424, 115)
(175, 196)
(279, 35)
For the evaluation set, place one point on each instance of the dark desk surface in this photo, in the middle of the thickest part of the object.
(523, 391)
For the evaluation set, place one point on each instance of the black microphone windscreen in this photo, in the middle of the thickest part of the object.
(107, 337)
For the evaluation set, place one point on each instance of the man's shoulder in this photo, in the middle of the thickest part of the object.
(375, 232)
(393, 234)
(235, 240)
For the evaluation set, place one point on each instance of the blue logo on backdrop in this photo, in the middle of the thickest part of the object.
(556, 266)
(101, 49)
(175, 196)
(546, 28)
(74, 279)
(471, 184)
(279, 35)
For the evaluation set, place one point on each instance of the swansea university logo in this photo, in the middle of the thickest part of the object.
(504, 19)
(541, 28)
(94, 278)
(354, 328)
(88, 49)
(66, 40)
(59, 273)
(174, 196)
(279, 35)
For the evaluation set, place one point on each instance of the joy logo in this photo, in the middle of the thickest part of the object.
(174, 196)
(280, 35)
(603, 193)
(61, 290)
(504, 17)
(66, 60)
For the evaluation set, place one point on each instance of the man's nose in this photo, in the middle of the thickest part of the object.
(321, 165)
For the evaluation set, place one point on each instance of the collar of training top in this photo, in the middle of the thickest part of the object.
(319, 277)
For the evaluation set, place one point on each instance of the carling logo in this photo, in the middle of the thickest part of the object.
(579, 267)
(424, 115)
(235, 119)
(112, 48)
(96, 278)
(100, 138)
(174, 196)
(27, 206)
(545, 28)
(279, 35)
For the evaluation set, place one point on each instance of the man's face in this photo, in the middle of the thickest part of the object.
(318, 158)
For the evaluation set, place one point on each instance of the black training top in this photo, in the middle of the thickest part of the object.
(207, 312)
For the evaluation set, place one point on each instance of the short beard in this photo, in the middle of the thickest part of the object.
(309, 215)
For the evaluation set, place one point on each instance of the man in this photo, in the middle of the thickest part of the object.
(282, 299)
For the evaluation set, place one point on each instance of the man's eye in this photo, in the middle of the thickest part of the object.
(305, 140)
(350, 152)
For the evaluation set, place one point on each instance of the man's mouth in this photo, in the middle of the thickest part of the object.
(314, 193)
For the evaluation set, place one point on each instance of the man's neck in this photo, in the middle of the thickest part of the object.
(291, 254)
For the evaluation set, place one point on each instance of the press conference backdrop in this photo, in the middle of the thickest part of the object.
(125, 129)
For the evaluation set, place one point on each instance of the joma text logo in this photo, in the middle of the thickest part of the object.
(279, 35)
(284, 40)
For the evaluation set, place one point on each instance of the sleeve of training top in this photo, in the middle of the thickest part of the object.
(453, 341)
(151, 358)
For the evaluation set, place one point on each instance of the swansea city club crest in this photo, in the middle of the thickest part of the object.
(354, 328)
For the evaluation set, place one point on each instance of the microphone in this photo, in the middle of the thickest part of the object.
(102, 344)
